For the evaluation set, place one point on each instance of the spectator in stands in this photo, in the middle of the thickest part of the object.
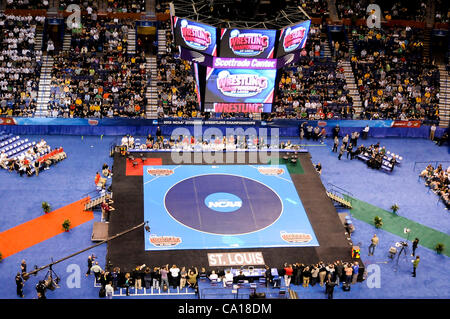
(192, 277)
(213, 277)
(156, 278)
(175, 276)
(164, 271)
(288, 272)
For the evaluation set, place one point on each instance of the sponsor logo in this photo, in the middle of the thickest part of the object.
(195, 36)
(293, 38)
(248, 44)
(322, 123)
(93, 122)
(271, 170)
(159, 172)
(164, 241)
(7, 121)
(406, 124)
(240, 85)
(295, 237)
(223, 202)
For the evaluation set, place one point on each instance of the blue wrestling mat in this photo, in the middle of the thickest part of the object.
(225, 206)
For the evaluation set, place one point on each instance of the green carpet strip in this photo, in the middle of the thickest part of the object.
(395, 224)
(293, 168)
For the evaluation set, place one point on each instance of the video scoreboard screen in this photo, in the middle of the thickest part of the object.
(252, 43)
(196, 36)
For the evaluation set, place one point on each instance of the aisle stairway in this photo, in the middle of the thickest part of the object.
(67, 40)
(444, 96)
(44, 86)
(162, 48)
(350, 79)
(38, 41)
(152, 89)
(131, 40)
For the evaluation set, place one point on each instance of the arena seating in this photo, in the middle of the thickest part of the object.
(176, 86)
(19, 70)
(126, 6)
(393, 79)
(27, 4)
(391, 10)
(97, 78)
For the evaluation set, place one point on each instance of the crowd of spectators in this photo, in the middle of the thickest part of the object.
(215, 143)
(390, 10)
(314, 8)
(97, 78)
(442, 14)
(314, 87)
(393, 78)
(27, 4)
(438, 180)
(19, 69)
(143, 276)
(125, 6)
(90, 6)
(166, 277)
(177, 92)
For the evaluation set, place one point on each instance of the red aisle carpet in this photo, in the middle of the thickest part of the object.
(42, 228)
(136, 170)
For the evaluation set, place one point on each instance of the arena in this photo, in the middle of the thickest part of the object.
(231, 149)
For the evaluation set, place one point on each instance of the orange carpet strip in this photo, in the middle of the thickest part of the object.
(48, 225)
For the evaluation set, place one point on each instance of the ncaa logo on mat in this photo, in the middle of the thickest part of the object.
(223, 202)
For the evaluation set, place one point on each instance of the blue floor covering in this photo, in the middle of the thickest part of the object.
(73, 178)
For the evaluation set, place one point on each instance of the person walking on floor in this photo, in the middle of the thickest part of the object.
(329, 287)
(19, 284)
(415, 264)
(373, 244)
(89, 262)
(109, 290)
(341, 151)
(355, 272)
(335, 144)
(414, 246)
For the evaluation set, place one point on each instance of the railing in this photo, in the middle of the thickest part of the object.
(341, 192)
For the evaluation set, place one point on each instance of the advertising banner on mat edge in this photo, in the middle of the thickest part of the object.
(200, 121)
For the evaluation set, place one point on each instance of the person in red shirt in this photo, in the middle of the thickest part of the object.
(288, 271)
(97, 178)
